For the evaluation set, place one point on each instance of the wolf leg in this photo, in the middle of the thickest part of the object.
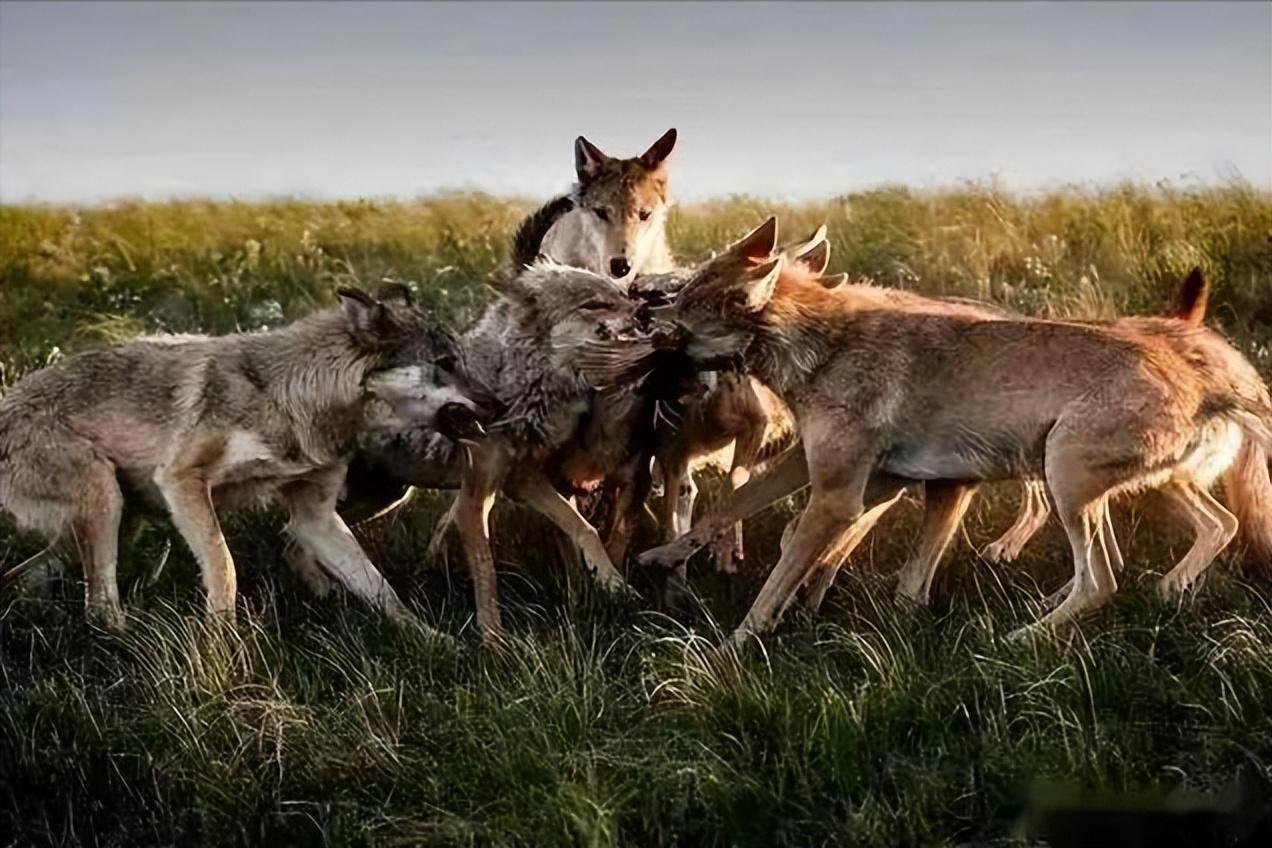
(537, 491)
(189, 499)
(823, 576)
(1215, 528)
(1035, 508)
(320, 530)
(1107, 538)
(786, 475)
(944, 505)
(476, 497)
(1081, 495)
(95, 531)
(842, 485)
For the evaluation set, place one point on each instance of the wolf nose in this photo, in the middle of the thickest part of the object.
(619, 266)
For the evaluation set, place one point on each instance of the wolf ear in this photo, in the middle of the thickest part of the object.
(760, 282)
(815, 258)
(796, 248)
(367, 317)
(659, 150)
(398, 293)
(833, 281)
(588, 158)
(759, 243)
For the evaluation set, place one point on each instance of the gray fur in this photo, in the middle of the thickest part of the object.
(195, 424)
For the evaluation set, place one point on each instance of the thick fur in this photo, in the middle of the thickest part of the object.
(619, 216)
(905, 395)
(194, 424)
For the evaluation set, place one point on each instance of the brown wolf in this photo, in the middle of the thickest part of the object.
(885, 396)
(945, 505)
(196, 424)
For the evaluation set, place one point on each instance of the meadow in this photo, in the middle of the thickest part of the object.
(604, 722)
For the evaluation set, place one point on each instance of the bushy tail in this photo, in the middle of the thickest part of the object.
(1190, 304)
(1248, 486)
(527, 241)
(531, 232)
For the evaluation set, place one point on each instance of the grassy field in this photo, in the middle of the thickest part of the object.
(606, 723)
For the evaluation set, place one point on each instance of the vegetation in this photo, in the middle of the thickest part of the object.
(603, 723)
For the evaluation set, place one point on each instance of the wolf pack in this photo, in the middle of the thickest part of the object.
(606, 375)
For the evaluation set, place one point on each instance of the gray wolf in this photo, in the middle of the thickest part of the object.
(195, 425)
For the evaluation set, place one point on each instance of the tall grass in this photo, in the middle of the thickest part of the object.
(600, 723)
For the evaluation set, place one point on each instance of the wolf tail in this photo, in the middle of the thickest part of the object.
(1190, 303)
(532, 230)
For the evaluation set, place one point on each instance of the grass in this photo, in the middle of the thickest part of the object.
(599, 723)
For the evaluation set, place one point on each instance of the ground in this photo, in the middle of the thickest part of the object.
(604, 722)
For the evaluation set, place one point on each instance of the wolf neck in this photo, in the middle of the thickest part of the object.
(787, 352)
(316, 376)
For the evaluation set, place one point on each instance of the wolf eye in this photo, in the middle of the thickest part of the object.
(601, 212)
(595, 304)
(644, 214)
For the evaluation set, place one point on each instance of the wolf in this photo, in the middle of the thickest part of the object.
(616, 223)
(612, 222)
(885, 397)
(196, 425)
(534, 445)
(946, 505)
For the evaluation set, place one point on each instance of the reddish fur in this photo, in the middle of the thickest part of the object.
(1193, 294)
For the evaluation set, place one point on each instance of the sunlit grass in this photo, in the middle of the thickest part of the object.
(313, 721)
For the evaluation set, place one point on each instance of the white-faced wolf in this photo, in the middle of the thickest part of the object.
(196, 424)
(616, 221)
(886, 396)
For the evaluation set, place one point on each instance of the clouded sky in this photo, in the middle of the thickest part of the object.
(101, 99)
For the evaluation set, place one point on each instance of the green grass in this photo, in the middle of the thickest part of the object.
(313, 722)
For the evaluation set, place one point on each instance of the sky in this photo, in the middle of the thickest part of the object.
(100, 100)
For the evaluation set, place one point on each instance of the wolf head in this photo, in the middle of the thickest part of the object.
(419, 377)
(622, 204)
(568, 308)
(717, 311)
(710, 313)
(383, 325)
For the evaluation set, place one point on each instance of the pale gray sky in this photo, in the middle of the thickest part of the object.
(99, 99)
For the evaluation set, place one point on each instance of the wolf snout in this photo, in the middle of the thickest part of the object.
(620, 267)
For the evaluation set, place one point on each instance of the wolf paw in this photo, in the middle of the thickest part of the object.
(108, 616)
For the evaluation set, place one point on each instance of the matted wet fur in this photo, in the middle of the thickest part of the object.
(196, 425)
(887, 396)
(522, 355)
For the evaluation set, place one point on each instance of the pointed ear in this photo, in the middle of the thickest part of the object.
(399, 293)
(759, 243)
(760, 283)
(588, 158)
(833, 281)
(659, 150)
(815, 258)
(517, 286)
(798, 248)
(365, 314)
